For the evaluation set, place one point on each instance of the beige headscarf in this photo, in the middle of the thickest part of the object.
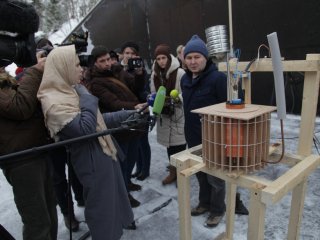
(60, 101)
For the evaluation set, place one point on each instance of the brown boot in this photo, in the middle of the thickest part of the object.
(172, 177)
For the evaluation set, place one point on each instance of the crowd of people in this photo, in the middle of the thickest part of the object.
(57, 99)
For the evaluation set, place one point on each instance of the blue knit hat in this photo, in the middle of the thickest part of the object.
(195, 44)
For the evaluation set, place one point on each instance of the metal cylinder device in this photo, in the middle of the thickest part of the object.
(217, 39)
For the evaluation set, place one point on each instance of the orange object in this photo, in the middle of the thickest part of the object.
(235, 106)
(234, 138)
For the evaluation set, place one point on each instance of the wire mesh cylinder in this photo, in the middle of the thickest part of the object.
(235, 145)
(217, 39)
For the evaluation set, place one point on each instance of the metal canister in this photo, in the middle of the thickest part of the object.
(217, 39)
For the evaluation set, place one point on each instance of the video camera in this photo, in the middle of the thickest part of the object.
(80, 41)
(16, 37)
(134, 63)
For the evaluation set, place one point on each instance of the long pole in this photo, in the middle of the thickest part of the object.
(230, 27)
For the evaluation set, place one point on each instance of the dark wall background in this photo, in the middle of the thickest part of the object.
(150, 22)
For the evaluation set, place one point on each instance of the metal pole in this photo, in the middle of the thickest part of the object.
(230, 28)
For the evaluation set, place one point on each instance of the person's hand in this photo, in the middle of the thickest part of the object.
(138, 71)
(142, 106)
(41, 61)
(81, 90)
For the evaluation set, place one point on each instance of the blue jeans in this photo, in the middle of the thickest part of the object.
(212, 193)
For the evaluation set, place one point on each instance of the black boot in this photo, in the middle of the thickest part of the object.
(74, 222)
(240, 208)
(133, 202)
(132, 226)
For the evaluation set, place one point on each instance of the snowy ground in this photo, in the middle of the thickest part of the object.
(163, 224)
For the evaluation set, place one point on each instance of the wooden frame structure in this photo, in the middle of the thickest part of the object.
(262, 192)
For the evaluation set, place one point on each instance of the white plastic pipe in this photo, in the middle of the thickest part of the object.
(278, 74)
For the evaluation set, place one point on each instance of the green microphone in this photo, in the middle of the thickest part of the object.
(159, 101)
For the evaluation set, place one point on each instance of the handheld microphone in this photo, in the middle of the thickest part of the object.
(151, 99)
(174, 93)
(159, 100)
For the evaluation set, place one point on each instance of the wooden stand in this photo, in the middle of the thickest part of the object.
(262, 192)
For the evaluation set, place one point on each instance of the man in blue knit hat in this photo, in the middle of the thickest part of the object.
(204, 85)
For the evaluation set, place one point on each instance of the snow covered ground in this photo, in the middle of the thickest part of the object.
(163, 223)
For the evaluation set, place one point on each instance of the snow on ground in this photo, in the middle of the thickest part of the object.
(163, 223)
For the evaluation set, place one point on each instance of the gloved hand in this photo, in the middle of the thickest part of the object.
(81, 90)
(115, 119)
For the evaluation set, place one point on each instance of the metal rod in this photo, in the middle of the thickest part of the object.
(230, 27)
(228, 79)
(59, 144)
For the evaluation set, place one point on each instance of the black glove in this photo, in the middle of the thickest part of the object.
(81, 90)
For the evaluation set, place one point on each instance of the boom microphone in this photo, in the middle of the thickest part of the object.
(151, 99)
(18, 17)
(159, 101)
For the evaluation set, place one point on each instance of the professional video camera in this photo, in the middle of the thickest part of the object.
(18, 23)
(80, 41)
(134, 63)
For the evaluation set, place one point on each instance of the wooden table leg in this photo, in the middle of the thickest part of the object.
(231, 203)
(184, 203)
(257, 211)
(297, 204)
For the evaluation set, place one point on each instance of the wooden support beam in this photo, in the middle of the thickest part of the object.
(193, 170)
(297, 204)
(309, 108)
(281, 186)
(184, 202)
(257, 210)
(265, 65)
(231, 203)
(246, 85)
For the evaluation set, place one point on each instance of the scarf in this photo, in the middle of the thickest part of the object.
(60, 101)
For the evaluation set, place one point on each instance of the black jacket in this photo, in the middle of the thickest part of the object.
(209, 88)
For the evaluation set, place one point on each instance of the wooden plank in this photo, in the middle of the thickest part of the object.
(193, 170)
(184, 202)
(309, 109)
(288, 158)
(265, 65)
(246, 85)
(281, 186)
(256, 221)
(245, 181)
(248, 112)
(231, 203)
(297, 204)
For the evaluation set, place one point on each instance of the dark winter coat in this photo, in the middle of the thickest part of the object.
(114, 95)
(107, 208)
(209, 88)
(21, 119)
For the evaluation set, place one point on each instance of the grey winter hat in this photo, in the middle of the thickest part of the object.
(195, 44)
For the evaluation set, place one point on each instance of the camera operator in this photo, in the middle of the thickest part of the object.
(22, 127)
(133, 64)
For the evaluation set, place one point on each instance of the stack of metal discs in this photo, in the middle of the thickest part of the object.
(217, 39)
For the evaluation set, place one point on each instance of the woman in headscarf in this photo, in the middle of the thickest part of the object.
(170, 129)
(71, 111)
